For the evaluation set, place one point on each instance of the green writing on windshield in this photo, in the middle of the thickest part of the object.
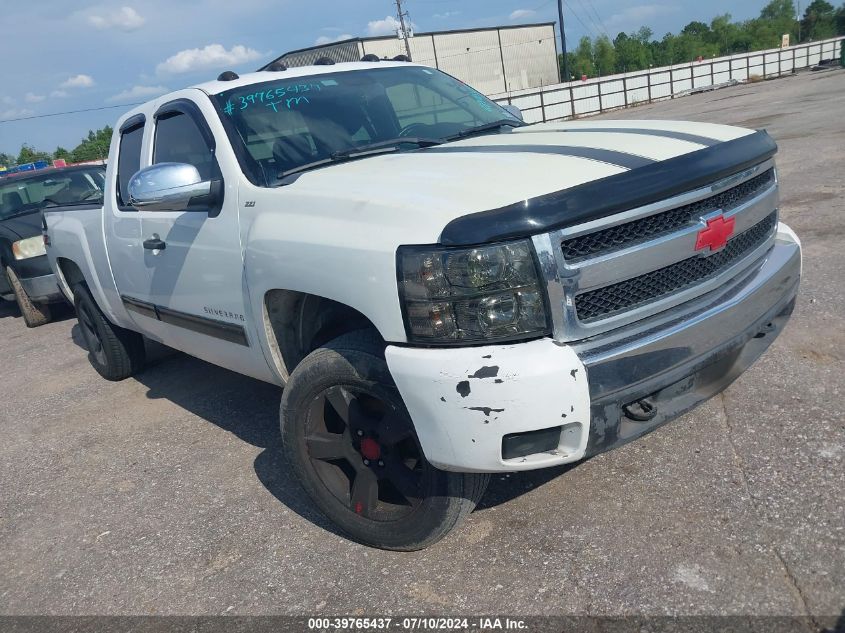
(281, 98)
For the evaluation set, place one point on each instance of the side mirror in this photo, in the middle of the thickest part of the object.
(514, 111)
(168, 187)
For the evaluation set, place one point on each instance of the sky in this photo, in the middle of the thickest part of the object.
(61, 56)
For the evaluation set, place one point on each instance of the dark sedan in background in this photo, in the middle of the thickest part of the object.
(26, 276)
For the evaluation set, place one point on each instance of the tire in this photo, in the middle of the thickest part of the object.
(34, 314)
(114, 352)
(352, 445)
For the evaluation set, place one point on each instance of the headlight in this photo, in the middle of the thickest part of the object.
(471, 295)
(30, 247)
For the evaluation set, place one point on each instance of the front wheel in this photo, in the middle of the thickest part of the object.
(352, 444)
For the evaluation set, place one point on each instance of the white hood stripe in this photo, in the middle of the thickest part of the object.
(619, 159)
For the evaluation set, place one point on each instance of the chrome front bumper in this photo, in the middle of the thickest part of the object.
(466, 401)
(676, 360)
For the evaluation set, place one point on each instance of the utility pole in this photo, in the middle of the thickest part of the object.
(566, 76)
(405, 34)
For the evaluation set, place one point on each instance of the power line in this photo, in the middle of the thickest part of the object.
(592, 6)
(601, 29)
(44, 116)
(130, 105)
(597, 29)
(587, 29)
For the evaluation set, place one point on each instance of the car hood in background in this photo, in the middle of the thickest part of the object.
(23, 226)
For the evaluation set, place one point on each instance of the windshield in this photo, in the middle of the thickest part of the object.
(32, 193)
(287, 123)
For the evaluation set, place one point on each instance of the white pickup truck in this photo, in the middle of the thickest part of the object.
(443, 291)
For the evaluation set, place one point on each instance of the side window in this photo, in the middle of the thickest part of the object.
(128, 161)
(179, 140)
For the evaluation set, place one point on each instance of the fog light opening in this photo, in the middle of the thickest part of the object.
(530, 442)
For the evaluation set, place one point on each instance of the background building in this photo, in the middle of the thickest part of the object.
(492, 60)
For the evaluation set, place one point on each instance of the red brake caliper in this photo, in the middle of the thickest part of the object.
(371, 451)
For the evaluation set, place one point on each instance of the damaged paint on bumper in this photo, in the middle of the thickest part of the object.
(465, 400)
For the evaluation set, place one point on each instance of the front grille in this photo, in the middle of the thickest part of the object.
(626, 295)
(654, 226)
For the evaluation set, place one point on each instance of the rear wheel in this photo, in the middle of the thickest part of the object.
(34, 314)
(351, 441)
(114, 352)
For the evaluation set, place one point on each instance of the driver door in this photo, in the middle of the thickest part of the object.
(194, 294)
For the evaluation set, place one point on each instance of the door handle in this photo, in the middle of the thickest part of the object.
(155, 244)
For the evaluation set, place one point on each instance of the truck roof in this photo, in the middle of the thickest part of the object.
(217, 86)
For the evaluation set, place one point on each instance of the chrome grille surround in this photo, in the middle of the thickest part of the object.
(568, 279)
(660, 224)
(626, 295)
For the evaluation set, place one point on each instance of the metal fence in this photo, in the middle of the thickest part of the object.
(594, 96)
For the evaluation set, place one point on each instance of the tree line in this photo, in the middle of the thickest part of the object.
(627, 52)
(94, 147)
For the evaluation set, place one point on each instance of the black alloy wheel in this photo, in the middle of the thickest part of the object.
(352, 445)
(365, 453)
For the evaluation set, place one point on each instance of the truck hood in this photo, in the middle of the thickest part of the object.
(23, 226)
(435, 186)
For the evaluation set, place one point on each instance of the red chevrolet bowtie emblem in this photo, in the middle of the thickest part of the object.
(716, 235)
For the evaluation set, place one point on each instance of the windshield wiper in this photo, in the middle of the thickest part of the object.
(353, 152)
(487, 127)
(362, 151)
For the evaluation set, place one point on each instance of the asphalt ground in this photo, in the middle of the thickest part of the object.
(168, 494)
